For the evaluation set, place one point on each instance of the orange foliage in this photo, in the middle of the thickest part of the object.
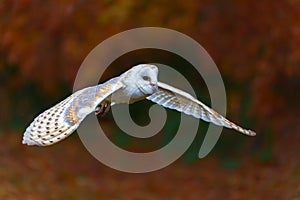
(255, 45)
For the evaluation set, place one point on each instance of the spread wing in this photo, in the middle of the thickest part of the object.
(181, 101)
(59, 121)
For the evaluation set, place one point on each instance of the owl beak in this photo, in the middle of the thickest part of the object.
(154, 86)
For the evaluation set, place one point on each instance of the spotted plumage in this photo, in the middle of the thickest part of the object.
(61, 120)
(138, 83)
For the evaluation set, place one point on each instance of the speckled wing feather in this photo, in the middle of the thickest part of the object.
(58, 122)
(181, 101)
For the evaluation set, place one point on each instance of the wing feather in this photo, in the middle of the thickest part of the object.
(59, 121)
(173, 98)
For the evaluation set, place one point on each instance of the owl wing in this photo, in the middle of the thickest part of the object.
(59, 121)
(181, 101)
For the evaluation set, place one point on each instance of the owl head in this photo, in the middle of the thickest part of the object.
(142, 78)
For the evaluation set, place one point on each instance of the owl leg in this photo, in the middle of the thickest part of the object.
(102, 108)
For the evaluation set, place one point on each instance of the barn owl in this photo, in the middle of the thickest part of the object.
(138, 83)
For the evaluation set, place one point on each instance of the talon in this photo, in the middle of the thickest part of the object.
(98, 110)
(102, 108)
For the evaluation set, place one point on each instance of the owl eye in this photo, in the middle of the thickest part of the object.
(146, 78)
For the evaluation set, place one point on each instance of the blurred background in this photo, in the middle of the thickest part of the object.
(256, 47)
